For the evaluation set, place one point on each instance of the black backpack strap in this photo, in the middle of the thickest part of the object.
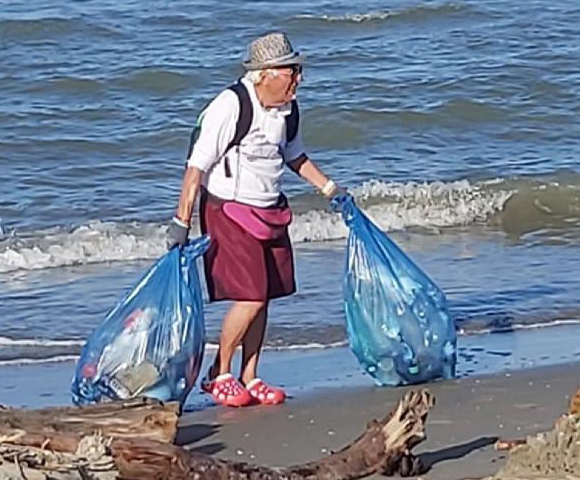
(292, 122)
(243, 123)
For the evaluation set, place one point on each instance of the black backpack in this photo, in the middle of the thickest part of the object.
(245, 121)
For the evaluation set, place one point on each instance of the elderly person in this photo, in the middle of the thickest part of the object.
(248, 133)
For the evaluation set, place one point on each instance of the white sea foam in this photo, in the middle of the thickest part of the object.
(384, 15)
(393, 206)
(93, 243)
(349, 17)
(210, 347)
(283, 348)
(521, 326)
(38, 342)
(36, 361)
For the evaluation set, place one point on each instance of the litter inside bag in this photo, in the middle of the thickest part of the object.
(152, 342)
(398, 324)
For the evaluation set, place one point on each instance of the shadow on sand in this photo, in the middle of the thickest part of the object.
(428, 459)
(189, 435)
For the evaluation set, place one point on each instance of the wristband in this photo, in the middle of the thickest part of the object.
(180, 222)
(328, 189)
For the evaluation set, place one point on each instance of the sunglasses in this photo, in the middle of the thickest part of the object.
(296, 69)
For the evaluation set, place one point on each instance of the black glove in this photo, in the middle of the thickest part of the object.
(339, 199)
(177, 234)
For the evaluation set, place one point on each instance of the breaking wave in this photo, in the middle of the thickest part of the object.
(393, 206)
(517, 206)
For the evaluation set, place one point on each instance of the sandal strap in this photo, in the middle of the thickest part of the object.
(223, 377)
(255, 382)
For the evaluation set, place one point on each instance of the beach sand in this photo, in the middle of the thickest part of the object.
(510, 385)
(469, 415)
(471, 412)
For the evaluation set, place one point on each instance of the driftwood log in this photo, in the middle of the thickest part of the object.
(70, 442)
(142, 418)
(65, 450)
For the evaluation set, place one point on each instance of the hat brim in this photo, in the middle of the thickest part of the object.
(295, 58)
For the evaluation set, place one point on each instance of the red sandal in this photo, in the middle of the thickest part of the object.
(227, 390)
(263, 393)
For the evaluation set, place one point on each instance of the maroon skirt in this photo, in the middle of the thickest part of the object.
(237, 265)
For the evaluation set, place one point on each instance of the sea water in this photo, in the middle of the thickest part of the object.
(454, 125)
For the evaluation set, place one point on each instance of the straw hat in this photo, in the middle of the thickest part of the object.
(271, 50)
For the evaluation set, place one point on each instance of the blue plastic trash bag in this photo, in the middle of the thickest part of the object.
(397, 320)
(152, 342)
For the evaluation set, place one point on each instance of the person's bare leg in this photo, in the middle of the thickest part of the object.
(252, 346)
(234, 327)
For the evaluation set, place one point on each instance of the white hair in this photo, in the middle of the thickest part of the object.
(255, 76)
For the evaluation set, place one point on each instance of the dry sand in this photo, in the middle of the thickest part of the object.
(469, 415)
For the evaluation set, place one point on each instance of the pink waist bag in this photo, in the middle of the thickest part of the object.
(262, 223)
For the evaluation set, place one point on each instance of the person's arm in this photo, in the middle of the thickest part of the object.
(299, 162)
(189, 190)
(217, 130)
(181, 222)
(310, 172)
